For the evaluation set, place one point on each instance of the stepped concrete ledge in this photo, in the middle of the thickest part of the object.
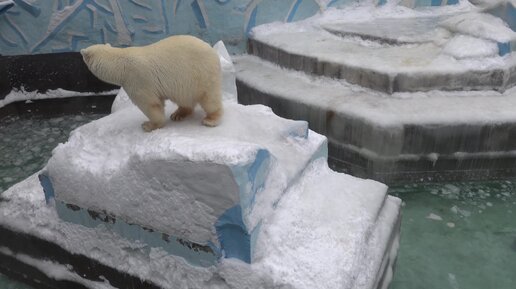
(405, 54)
(399, 137)
(392, 30)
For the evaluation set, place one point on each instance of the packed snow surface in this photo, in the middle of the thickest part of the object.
(23, 95)
(181, 178)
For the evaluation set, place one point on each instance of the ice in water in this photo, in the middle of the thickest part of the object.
(28, 142)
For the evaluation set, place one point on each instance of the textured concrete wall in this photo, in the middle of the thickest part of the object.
(46, 26)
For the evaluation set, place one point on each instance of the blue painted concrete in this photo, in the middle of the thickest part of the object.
(233, 235)
(48, 189)
(504, 48)
(196, 254)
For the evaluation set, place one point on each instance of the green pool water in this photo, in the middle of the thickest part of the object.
(455, 235)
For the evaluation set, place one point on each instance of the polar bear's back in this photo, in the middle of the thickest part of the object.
(182, 68)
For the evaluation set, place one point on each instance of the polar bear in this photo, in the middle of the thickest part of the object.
(181, 68)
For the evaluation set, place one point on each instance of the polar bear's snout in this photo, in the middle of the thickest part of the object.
(85, 56)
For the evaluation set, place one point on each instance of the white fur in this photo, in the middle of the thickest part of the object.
(181, 68)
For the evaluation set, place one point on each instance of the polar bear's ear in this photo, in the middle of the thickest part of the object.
(83, 52)
(108, 45)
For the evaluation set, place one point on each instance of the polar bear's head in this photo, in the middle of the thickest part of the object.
(103, 61)
(91, 54)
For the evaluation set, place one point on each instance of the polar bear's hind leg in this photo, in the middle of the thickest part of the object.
(155, 111)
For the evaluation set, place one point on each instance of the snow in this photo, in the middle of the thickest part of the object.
(23, 95)
(476, 47)
(293, 255)
(361, 12)
(480, 25)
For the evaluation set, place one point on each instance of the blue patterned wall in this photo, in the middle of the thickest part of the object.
(45, 26)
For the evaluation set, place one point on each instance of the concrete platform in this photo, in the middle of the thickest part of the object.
(420, 60)
(391, 138)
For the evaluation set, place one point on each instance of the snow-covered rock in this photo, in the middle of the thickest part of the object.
(186, 180)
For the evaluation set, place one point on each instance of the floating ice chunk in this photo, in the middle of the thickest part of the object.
(461, 212)
(453, 281)
(434, 217)
(229, 91)
(480, 25)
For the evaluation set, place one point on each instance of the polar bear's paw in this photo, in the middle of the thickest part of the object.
(212, 119)
(150, 126)
(181, 113)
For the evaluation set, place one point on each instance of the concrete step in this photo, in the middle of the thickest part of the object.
(405, 55)
(439, 29)
(392, 137)
(391, 30)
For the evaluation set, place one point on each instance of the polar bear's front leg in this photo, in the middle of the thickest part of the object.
(155, 111)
